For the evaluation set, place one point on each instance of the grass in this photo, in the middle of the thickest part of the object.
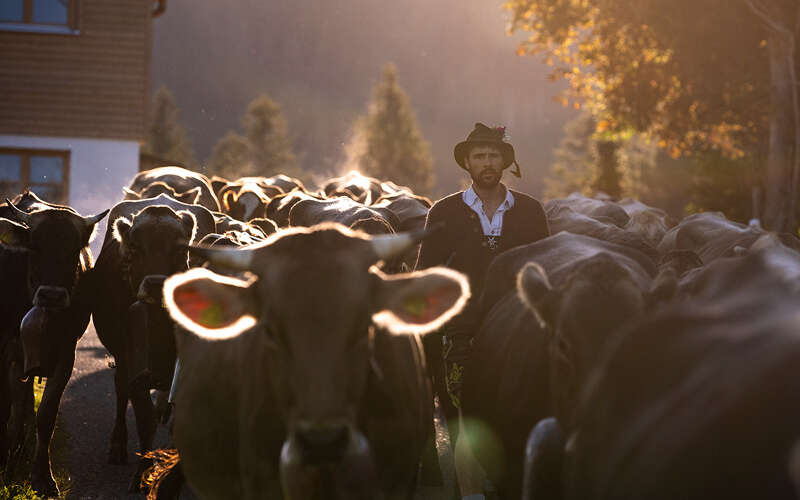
(14, 484)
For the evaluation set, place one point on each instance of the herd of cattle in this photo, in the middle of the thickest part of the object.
(627, 356)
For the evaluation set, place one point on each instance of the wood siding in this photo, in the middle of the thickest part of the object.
(92, 84)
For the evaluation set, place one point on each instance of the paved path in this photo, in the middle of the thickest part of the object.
(87, 414)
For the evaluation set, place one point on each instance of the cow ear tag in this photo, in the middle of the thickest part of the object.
(200, 308)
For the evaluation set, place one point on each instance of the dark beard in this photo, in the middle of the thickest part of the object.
(482, 183)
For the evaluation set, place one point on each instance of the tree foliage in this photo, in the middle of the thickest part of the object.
(705, 77)
(262, 148)
(387, 142)
(166, 137)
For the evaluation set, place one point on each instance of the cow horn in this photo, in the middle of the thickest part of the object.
(91, 221)
(392, 245)
(18, 214)
(232, 258)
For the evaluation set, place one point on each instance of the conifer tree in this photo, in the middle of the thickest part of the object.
(166, 137)
(262, 149)
(387, 142)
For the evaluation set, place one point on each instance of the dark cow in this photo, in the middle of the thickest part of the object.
(564, 218)
(279, 207)
(649, 222)
(58, 260)
(128, 314)
(698, 400)
(356, 186)
(576, 291)
(247, 200)
(180, 180)
(600, 209)
(205, 220)
(151, 191)
(225, 223)
(16, 396)
(411, 212)
(283, 376)
(284, 182)
(342, 210)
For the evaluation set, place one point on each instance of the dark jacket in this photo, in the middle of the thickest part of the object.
(461, 245)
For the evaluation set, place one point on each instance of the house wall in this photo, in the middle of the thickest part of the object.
(91, 82)
(98, 169)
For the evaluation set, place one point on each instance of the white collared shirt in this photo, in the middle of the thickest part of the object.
(493, 227)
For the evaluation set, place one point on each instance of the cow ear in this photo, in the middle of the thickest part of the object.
(189, 197)
(189, 224)
(226, 200)
(122, 228)
(535, 291)
(419, 302)
(13, 234)
(130, 194)
(210, 305)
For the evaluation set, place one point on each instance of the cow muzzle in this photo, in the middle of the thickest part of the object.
(151, 289)
(318, 459)
(53, 297)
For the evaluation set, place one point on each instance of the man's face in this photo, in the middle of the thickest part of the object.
(485, 165)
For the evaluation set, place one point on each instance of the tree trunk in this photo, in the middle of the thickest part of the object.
(781, 177)
(608, 177)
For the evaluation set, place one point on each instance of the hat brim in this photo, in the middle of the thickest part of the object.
(506, 149)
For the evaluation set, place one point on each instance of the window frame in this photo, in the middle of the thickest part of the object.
(29, 25)
(25, 169)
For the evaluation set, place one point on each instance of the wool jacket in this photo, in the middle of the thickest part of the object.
(461, 245)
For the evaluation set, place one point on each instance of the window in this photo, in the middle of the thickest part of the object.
(45, 172)
(39, 15)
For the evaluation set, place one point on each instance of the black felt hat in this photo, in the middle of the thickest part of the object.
(482, 135)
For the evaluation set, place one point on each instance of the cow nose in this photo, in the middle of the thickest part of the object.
(51, 296)
(151, 290)
(330, 437)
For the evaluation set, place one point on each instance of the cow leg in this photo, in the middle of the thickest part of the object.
(118, 451)
(5, 411)
(146, 427)
(21, 411)
(41, 476)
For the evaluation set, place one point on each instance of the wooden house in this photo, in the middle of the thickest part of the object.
(74, 91)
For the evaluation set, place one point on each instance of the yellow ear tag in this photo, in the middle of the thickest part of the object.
(212, 316)
(415, 305)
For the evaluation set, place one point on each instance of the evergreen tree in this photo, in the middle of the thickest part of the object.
(263, 149)
(231, 157)
(166, 137)
(267, 135)
(387, 142)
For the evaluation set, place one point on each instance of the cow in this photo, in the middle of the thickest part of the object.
(285, 380)
(411, 211)
(225, 223)
(710, 235)
(204, 219)
(58, 262)
(159, 187)
(247, 201)
(180, 180)
(144, 248)
(279, 207)
(576, 291)
(649, 222)
(602, 209)
(16, 395)
(342, 210)
(695, 401)
(355, 185)
(564, 218)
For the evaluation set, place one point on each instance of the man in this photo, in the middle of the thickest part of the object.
(478, 224)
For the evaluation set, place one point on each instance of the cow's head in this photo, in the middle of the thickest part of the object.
(314, 294)
(55, 240)
(153, 243)
(597, 297)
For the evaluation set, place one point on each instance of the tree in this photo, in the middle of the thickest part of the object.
(697, 75)
(166, 137)
(263, 149)
(231, 156)
(387, 142)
